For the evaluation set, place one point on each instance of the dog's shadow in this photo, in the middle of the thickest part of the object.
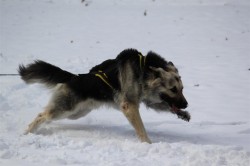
(122, 132)
(126, 132)
(104, 131)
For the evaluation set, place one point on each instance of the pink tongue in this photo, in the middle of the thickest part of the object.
(175, 109)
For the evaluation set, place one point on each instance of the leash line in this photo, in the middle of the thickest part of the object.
(9, 75)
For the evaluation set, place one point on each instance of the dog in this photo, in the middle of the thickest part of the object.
(123, 83)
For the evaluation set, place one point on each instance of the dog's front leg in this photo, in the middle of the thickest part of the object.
(131, 111)
(184, 115)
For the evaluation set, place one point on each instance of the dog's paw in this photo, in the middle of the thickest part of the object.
(184, 115)
(146, 140)
(26, 132)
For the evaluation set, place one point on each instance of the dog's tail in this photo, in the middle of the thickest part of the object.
(42, 72)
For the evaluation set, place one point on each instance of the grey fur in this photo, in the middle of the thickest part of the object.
(160, 90)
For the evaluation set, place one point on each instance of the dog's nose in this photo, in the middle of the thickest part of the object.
(181, 102)
(184, 104)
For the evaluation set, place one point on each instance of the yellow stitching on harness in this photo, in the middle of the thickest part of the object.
(140, 61)
(144, 60)
(103, 79)
(100, 71)
(105, 75)
(102, 74)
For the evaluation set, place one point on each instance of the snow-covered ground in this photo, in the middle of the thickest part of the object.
(208, 40)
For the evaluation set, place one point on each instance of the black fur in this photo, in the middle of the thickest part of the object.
(43, 72)
(123, 82)
(155, 60)
(88, 85)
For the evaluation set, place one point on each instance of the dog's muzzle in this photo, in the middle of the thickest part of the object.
(178, 103)
(181, 102)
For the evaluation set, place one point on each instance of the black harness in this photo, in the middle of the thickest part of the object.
(102, 75)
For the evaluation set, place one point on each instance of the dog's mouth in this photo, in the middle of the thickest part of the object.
(174, 106)
(175, 109)
(184, 115)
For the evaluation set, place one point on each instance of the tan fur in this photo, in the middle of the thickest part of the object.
(40, 119)
(129, 102)
(131, 111)
(65, 104)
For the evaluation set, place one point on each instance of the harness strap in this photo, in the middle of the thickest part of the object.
(142, 61)
(104, 78)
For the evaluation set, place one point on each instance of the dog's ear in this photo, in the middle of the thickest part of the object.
(170, 67)
(170, 63)
(156, 69)
(155, 82)
(158, 72)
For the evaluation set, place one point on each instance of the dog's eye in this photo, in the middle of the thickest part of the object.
(174, 90)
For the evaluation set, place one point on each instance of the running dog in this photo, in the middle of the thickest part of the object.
(123, 82)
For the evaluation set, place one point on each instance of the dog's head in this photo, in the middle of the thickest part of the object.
(165, 86)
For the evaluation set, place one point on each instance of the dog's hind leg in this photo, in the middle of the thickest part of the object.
(131, 111)
(43, 117)
(54, 113)
(61, 106)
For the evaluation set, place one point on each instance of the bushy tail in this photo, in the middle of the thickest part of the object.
(42, 72)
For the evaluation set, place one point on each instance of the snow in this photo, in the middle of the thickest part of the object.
(208, 40)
